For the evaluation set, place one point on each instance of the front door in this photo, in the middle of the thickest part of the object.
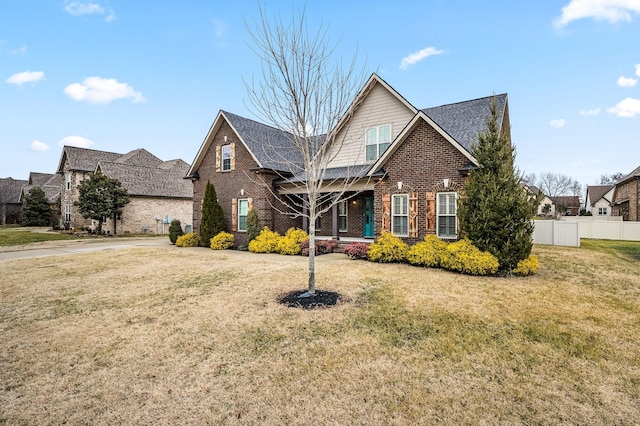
(368, 229)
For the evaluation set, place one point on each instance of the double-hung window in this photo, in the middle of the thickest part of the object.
(68, 180)
(343, 216)
(67, 212)
(602, 211)
(243, 209)
(400, 215)
(226, 158)
(378, 140)
(446, 220)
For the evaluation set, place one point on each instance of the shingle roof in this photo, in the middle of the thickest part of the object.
(596, 192)
(273, 148)
(10, 190)
(463, 121)
(83, 159)
(634, 173)
(349, 172)
(151, 181)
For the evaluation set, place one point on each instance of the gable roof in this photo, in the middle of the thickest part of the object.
(146, 181)
(597, 192)
(84, 159)
(11, 190)
(568, 201)
(463, 121)
(634, 174)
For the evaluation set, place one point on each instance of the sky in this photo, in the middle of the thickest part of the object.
(117, 75)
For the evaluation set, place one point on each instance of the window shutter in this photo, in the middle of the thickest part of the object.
(431, 211)
(386, 212)
(232, 153)
(218, 158)
(234, 214)
(413, 214)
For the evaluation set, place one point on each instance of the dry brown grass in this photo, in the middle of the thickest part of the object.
(195, 336)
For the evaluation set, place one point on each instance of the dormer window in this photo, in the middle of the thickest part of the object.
(378, 140)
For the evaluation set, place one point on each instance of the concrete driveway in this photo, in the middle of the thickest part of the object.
(58, 248)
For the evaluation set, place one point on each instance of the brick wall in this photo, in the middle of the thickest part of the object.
(421, 163)
(143, 215)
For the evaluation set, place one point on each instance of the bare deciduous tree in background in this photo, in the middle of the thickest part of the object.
(304, 92)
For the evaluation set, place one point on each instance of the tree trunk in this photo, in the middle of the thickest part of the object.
(312, 257)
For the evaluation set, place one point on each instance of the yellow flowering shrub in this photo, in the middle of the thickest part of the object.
(528, 266)
(290, 242)
(388, 248)
(188, 240)
(428, 252)
(222, 241)
(265, 242)
(462, 256)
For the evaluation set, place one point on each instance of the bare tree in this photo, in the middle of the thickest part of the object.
(556, 184)
(529, 179)
(306, 93)
(611, 179)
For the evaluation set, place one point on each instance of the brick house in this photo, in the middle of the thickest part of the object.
(50, 185)
(408, 166)
(626, 197)
(157, 189)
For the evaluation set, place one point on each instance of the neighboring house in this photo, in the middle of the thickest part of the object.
(157, 189)
(567, 205)
(50, 184)
(545, 201)
(10, 203)
(626, 197)
(410, 165)
(598, 200)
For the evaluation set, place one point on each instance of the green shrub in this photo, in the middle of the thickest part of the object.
(528, 266)
(462, 256)
(188, 240)
(266, 242)
(222, 241)
(428, 252)
(356, 250)
(388, 248)
(290, 243)
(253, 225)
(175, 230)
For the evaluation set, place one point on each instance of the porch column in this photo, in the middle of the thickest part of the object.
(334, 221)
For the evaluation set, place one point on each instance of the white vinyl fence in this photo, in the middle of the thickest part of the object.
(606, 229)
(556, 233)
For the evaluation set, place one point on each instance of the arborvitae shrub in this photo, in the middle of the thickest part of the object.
(175, 230)
(463, 256)
(356, 250)
(222, 241)
(290, 243)
(265, 242)
(388, 248)
(188, 240)
(212, 221)
(528, 266)
(253, 225)
(428, 252)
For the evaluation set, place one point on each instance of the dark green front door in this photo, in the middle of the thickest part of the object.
(368, 229)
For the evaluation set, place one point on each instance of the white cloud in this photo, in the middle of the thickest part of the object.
(25, 77)
(558, 123)
(602, 10)
(98, 90)
(79, 8)
(39, 146)
(594, 111)
(628, 107)
(627, 82)
(77, 141)
(418, 56)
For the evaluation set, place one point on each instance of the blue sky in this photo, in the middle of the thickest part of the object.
(117, 75)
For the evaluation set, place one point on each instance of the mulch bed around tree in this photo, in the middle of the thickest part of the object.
(321, 299)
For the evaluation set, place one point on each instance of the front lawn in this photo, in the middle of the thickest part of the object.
(196, 336)
(13, 235)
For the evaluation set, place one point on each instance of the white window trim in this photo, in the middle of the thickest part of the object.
(377, 142)
(602, 211)
(394, 214)
(345, 215)
(240, 200)
(438, 215)
(222, 152)
(68, 180)
(67, 212)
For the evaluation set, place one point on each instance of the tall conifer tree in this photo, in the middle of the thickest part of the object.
(213, 221)
(495, 210)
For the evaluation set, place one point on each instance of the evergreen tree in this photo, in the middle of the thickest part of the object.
(36, 210)
(101, 197)
(495, 211)
(213, 221)
(175, 230)
(253, 225)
